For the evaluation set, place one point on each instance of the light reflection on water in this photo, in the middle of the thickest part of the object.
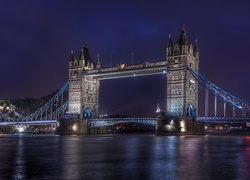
(19, 161)
(124, 156)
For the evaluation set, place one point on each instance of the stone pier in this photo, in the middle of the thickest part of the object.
(77, 126)
(181, 125)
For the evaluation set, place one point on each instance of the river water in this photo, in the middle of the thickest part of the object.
(124, 156)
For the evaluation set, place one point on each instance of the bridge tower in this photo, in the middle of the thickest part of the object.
(83, 91)
(182, 89)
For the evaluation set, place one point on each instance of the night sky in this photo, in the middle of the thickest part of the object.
(36, 38)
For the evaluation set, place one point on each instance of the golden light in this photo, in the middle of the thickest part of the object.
(75, 128)
(183, 126)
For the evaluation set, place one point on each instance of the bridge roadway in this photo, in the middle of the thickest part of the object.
(16, 123)
(152, 121)
(223, 119)
(92, 123)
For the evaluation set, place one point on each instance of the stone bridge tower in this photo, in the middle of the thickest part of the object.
(182, 89)
(83, 91)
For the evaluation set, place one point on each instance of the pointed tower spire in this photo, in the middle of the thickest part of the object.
(81, 56)
(87, 57)
(196, 48)
(183, 40)
(71, 56)
(98, 63)
(158, 108)
(170, 47)
(170, 44)
(71, 60)
(183, 28)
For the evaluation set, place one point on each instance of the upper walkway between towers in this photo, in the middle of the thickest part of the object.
(128, 71)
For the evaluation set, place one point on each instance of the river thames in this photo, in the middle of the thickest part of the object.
(125, 156)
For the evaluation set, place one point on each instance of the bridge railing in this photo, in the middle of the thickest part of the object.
(223, 119)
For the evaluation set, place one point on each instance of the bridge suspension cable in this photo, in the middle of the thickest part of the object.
(220, 93)
(46, 106)
(60, 110)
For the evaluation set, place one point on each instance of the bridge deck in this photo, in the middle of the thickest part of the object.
(42, 122)
(223, 119)
(111, 121)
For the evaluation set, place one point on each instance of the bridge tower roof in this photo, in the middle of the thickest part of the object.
(183, 40)
(85, 55)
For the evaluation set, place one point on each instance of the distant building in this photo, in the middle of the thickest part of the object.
(6, 107)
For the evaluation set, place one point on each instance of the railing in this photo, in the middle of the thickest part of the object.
(222, 119)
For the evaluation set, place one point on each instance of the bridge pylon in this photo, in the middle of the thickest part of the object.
(182, 88)
(83, 90)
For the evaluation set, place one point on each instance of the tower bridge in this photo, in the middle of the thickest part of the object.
(181, 67)
(182, 89)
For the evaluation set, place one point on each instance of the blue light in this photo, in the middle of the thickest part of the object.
(164, 72)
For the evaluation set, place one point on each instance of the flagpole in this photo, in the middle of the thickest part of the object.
(111, 61)
(132, 54)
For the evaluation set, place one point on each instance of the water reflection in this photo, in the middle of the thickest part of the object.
(70, 156)
(19, 168)
(247, 157)
(125, 156)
